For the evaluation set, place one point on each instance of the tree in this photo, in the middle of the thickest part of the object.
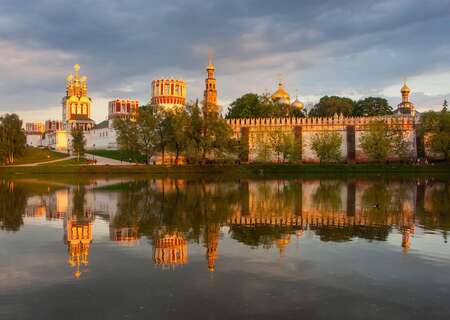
(247, 106)
(435, 129)
(78, 142)
(291, 149)
(12, 138)
(208, 136)
(329, 106)
(445, 106)
(252, 105)
(145, 130)
(176, 129)
(127, 136)
(327, 146)
(276, 142)
(380, 140)
(371, 106)
(263, 149)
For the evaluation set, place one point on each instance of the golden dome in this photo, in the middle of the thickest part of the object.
(281, 94)
(74, 99)
(84, 99)
(405, 89)
(297, 104)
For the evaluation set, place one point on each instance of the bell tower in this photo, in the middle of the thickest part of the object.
(210, 94)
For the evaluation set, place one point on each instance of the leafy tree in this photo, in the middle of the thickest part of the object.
(276, 142)
(445, 106)
(78, 142)
(12, 138)
(291, 149)
(371, 106)
(252, 105)
(327, 146)
(328, 106)
(435, 128)
(127, 136)
(247, 106)
(381, 140)
(263, 149)
(208, 136)
(145, 129)
(176, 128)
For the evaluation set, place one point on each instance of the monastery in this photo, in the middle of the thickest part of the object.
(170, 94)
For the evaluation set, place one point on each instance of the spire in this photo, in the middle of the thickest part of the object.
(210, 61)
(76, 68)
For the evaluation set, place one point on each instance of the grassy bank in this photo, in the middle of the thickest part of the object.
(234, 171)
(118, 155)
(34, 155)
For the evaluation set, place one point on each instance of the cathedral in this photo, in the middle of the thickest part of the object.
(281, 96)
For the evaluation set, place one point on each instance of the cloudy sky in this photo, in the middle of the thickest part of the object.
(335, 47)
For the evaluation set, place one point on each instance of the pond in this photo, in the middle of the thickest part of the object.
(134, 248)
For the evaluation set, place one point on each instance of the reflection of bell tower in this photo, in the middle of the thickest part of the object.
(406, 238)
(78, 237)
(283, 242)
(212, 242)
(170, 250)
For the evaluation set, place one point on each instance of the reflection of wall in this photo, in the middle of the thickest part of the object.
(315, 202)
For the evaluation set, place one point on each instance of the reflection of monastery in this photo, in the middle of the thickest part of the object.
(170, 94)
(280, 211)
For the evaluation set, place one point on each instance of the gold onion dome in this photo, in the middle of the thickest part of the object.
(297, 104)
(405, 89)
(281, 93)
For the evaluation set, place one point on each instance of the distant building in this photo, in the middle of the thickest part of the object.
(123, 109)
(34, 128)
(169, 93)
(34, 132)
(53, 125)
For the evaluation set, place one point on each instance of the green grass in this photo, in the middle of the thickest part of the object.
(239, 171)
(118, 155)
(68, 162)
(34, 155)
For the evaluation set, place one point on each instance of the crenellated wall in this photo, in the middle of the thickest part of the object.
(251, 131)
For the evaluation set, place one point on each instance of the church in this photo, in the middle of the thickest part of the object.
(170, 94)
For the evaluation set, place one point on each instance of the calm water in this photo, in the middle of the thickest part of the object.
(248, 249)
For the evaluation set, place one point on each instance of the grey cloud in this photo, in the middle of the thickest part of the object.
(323, 47)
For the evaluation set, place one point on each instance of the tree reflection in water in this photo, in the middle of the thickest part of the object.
(13, 200)
(173, 212)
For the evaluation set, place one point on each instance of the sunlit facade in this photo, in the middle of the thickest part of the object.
(170, 94)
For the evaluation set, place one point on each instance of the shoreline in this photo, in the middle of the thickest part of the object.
(235, 171)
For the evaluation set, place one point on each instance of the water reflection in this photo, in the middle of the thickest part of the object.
(171, 213)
